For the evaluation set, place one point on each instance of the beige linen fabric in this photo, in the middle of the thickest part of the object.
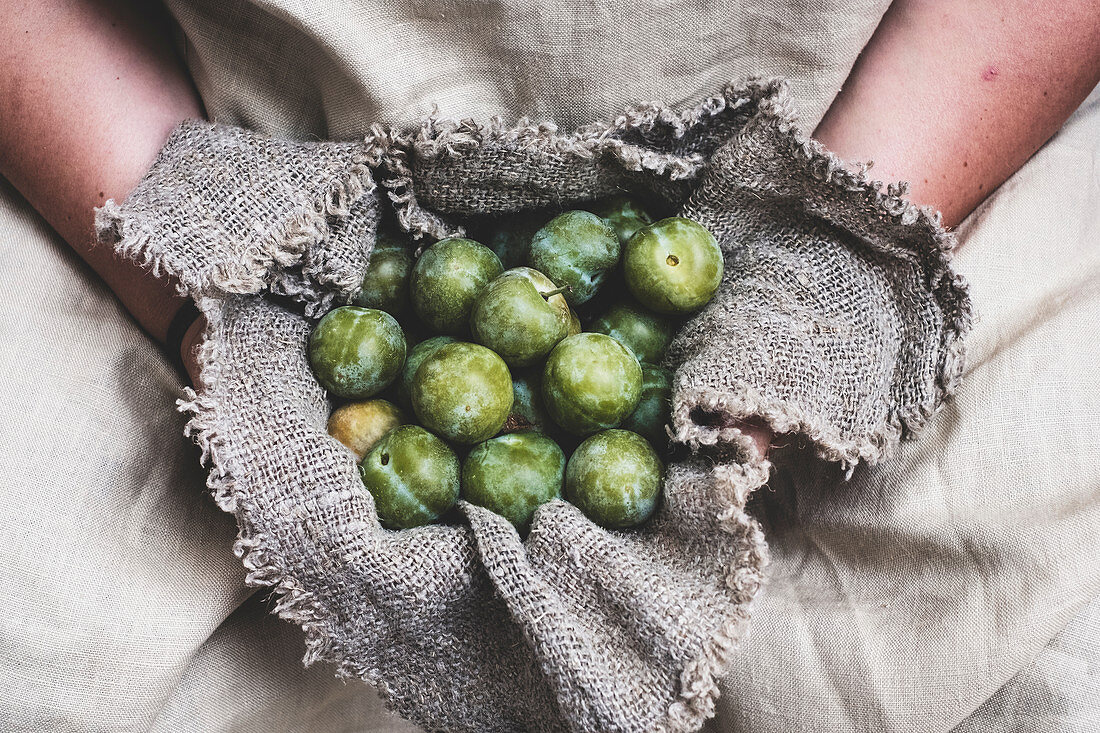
(110, 610)
(330, 68)
(120, 606)
(902, 600)
(248, 676)
(1059, 692)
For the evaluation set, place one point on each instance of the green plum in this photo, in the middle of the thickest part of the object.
(574, 323)
(386, 284)
(463, 392)
(528, 410)
(653, 411)
(359, 425)
(623, 214)
(614, 477)
(644, 333)
(412, 475)
(674, 266)
(356, 352)
(510, 236)
(590, 382)
(575, 249)
(513, 475)
(416, 357)
(521, 316)
(446, 281)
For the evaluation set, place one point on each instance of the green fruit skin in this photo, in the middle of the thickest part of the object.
(614, 477)
(528, 410)
(416, 357)
(446, 281)
(653, 412)
(360, 425)
(574, 323)
(577, 249)
(644, 333)
(512, 318)
(674, 266)
(624, 215)
(510, 237)
(412, 475)
(386, 284)
(513, 475)
(356, 352)
(590, 382)
(463, 392)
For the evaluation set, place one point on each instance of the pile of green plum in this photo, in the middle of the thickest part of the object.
(502, 381)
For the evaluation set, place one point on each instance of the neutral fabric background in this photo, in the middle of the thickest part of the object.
(903, 600)
(329, 69)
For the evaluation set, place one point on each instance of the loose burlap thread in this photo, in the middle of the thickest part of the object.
(838, 317)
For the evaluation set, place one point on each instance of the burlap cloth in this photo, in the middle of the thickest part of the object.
(838, 318)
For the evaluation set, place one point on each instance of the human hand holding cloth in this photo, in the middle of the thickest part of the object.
(838, 317)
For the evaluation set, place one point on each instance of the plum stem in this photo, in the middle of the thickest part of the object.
(552, 293)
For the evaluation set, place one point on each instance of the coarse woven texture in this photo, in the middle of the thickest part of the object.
(228, 211)
(465, 626)
(838, 316)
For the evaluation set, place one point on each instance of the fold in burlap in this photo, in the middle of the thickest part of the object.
(838, 317)
(224, 210)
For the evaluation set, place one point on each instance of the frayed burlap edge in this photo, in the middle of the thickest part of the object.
(442, 137)
(699, 677)
(934, 256)
(699, 690)
(299, 235)
(388, 151)
(293, 602)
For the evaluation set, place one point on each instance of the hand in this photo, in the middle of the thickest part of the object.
(760, 435)
(189, 349)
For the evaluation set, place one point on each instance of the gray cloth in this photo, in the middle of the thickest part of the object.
(839, 317)
(271, 215)
(466, 627)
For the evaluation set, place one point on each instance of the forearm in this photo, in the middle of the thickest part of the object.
(954, 96)
(88, 94)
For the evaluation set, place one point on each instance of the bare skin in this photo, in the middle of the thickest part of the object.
(951, 95)
(955, 95)
(88, 93)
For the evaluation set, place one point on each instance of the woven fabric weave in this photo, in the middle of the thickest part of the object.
(224, 210)
(838, 317)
